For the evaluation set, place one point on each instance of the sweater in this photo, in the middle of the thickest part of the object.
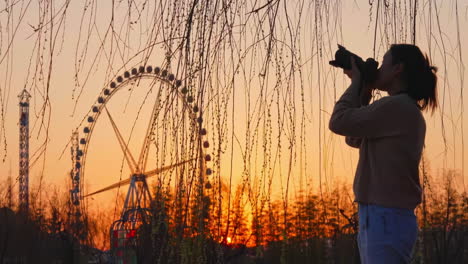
(390, 135)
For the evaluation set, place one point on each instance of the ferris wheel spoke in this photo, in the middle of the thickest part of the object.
(128, 155)
(142, 160)
(159, 170)
(147, 175)
(110, 187)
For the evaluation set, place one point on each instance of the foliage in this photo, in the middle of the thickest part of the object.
(318, 229)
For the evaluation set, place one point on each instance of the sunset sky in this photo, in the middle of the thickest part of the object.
(319, 156)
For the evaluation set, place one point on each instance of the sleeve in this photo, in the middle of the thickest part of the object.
(375, 120)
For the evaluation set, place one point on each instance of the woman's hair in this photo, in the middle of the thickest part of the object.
(418, 74)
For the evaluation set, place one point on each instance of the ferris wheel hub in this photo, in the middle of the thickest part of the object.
(139, 177)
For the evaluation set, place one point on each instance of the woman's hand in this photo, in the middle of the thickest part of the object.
(366, 94)
(354, 74)
(365, 89)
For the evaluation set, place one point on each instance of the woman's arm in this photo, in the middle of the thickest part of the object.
(351, 117)
(366, 95)
(384, 117)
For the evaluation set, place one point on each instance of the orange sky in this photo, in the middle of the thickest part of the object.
(336, 160)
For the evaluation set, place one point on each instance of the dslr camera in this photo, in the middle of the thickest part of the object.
(367, 68)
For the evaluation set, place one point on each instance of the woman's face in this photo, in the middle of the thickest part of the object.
(387, 73)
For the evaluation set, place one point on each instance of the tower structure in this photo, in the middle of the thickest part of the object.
(24, 97)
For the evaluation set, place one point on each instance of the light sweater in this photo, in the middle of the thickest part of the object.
(390, 136)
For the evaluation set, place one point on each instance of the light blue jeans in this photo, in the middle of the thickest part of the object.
(386, 235)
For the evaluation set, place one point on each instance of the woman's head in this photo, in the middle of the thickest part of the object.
(405, 68)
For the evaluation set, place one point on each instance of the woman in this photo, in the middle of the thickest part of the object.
(390, 136)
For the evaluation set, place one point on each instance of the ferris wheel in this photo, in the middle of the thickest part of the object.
(173, 147)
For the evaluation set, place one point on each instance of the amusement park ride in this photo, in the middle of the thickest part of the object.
(136, 210)
(24, 97)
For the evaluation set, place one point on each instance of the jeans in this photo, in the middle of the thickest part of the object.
(386, 235)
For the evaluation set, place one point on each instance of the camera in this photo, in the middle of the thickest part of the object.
(367, 68)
